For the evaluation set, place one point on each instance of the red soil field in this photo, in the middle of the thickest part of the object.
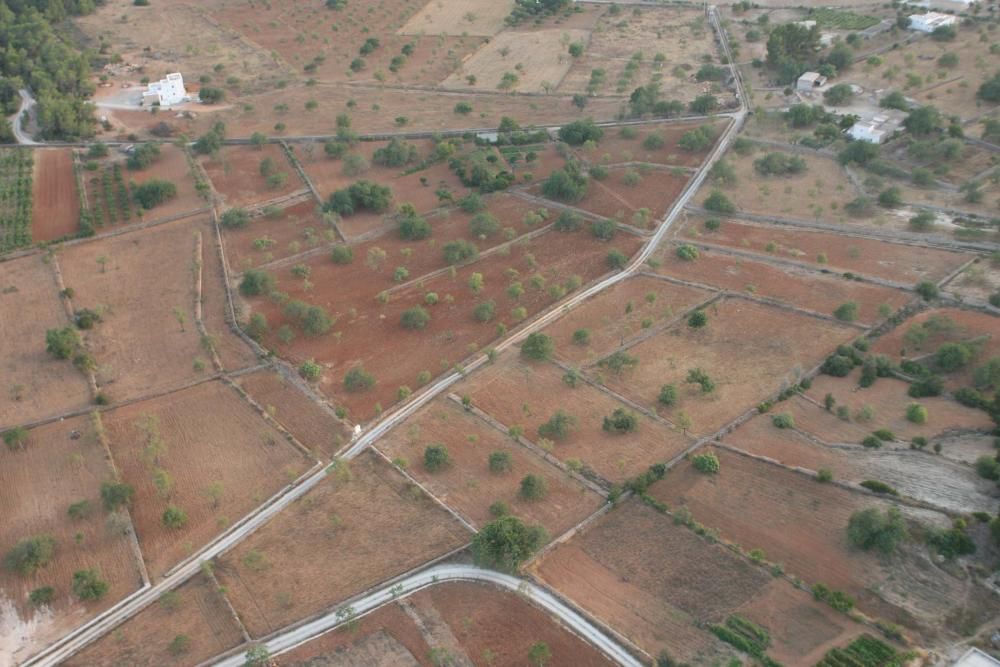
(748, 349)
(35, 385)
(235, 174)
(889, 399)
(195, 610)
(517, 393)
(364, 525)
(919, 475)
(802, 524)
(548, 158)
(889, 261)
(173, 166)
(473, 621)
(298, 228)
(140, 345)
(55, 208)
(611, 198)
(370, 334)
(967, 325)
(468, 486)
(792, 285)
(653, 581)
(69, 469)
(607, 319)
(207, 436)
(613, 148)
(311, 425)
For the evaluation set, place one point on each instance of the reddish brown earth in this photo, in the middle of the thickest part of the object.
(518, 393)
(298, 228)
(311, 425)
(468, 486)
(654, 581)
(55, 206)
(889, 261)
(792, 285)
(209, 436)
(362, 526)
(748, 349)
(35, 385)
(235, 174)
(613, 148)
(612, 198)
(369, 334)
(70, 460)
(195, 610)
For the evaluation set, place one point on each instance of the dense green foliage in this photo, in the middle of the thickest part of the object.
(15, 198)
(865, 651)
(505, 543)
(871, 529)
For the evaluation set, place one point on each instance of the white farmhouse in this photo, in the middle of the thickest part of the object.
(930, 21)
(166, 92)
(875, 130)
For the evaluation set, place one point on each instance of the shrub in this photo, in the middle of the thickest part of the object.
(174, 517)
(621, 421)
(456, 252)
(484, 311)
(707, 463)
(115, 495)
(42, 596)
(870, 529)
(62, 343)
(687, 252)
(484, 225)
(951, 357)
(951, 542)
(436, 458)
(153, 192)
(500, 462)
(668, 395)
(537, 346)
(558, 426)
(581, 131)
(362, 195)
(235, 218)
(532, 487)
(890, 197)
(310, 370)
(566, 185)
(701, 378)
(505, 543)
(256, 328)
(568, 221)
(413, 228)
(697, 319)
(824, 475)
(783, 420)
(779, 164)
(916, 413)
(342, 254)
(415, 318)
(256, 282)
(927, 290)
(618, 362)
(872, 442)
(616, 259)
(357, 379)
(719, 203)
(988, 467)
(604, 229)
(88, 585)
(879, 487)
(30, 554)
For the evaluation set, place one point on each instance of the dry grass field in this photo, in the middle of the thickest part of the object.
(538, 60)
(459, 17)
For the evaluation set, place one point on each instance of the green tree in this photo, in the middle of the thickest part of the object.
(505, 543)
(580, 131)
(415, 318)
(532, 487)
(174, 517)
(922, 121)
(357, 379)
(539, 654)
(153, 192)
(436, 458)
(537, 346)
(88, 585)
(62, 343)
(871, 529)
(847, 311)
(30, 554)
(839, 95)
(116, 494)
(259, 656)
(668, 395)
(719, 203)
(256, 282)
(500, 462)
(558, 426)
(707, 463)
(620, 421)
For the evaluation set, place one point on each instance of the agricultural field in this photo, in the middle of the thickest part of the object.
(246, 176)
(371, 523)
(56, 202)
(16, 168)
(654, 143)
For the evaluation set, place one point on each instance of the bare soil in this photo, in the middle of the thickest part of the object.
(518, 393)
(371, 524)
(612, 198)
(889, 261)
(70, 459)
(207, 436)
(55, 208)
(265, 239)
(749, 350)
(614, 148)
(311, 425)
(459, 17)
(35, 385)
(235, 174)
(195, 610)
(468, 486)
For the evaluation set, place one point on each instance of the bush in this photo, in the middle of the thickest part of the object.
(357, 379)
(558, 426)
(568, 221)
(153, 192)
(566, 185)
(456, 252)
(951, 357)
(174, 517)
(879, 487)
(783, 420)
(839, 94)
(846, 312)
(604, 229)
(931, 385)
(505, 543)
(532, 487)
(872, 442)
(62, 343)
(860, 152)
(484, 225)
(621, 421)
(42, 596)
(413, 228)
(30, 554)
(668, 395)
(927, 290)
(687, 252)
(988, 468)
(484, 312)
(779, 164)
(579, 132)
(719, 203)
(537, 346)
(310, 370)
(436, 458)
(115, 495)
(890, 197)
(342, 254)
(916, 413)
(256, 282)
(697, 319)
(88, 585)
(362, 195)
(870, 529)
(616, 259)
(415, 318)
(707, 463)
(697, 139)
(500, 462)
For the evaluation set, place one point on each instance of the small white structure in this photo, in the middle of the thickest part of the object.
(810, 80)
(976, 658)
(874, 131)
(944, 5)
(930, 21)
(166, 92)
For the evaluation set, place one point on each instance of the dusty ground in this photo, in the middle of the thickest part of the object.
(889, 261)
(749, 350)
(211, 444)
(789, 284)
(459, 17)
(613, 148)
(617, 314)
(55, 206)
(296, 229)
(613, 198)
(35, 385)
(524, 394)
(350, 533)
(198, 612)
(235, 174)
(314, 427)
(74, 469)
(979, 280)
(469, 487)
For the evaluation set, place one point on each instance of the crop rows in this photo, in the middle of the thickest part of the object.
(865, 651)
(15, 198)
(840, 19)
(114, 195)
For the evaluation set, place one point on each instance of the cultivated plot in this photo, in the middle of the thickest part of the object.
(55, 210)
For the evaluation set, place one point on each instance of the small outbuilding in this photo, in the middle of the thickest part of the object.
(931, 21)
(809, 81)
(976, 658)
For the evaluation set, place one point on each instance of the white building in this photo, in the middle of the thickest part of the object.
(944, 5)
(166, 92)
(810, 80)
(931, 21)
(976, 658)
(875, 130)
